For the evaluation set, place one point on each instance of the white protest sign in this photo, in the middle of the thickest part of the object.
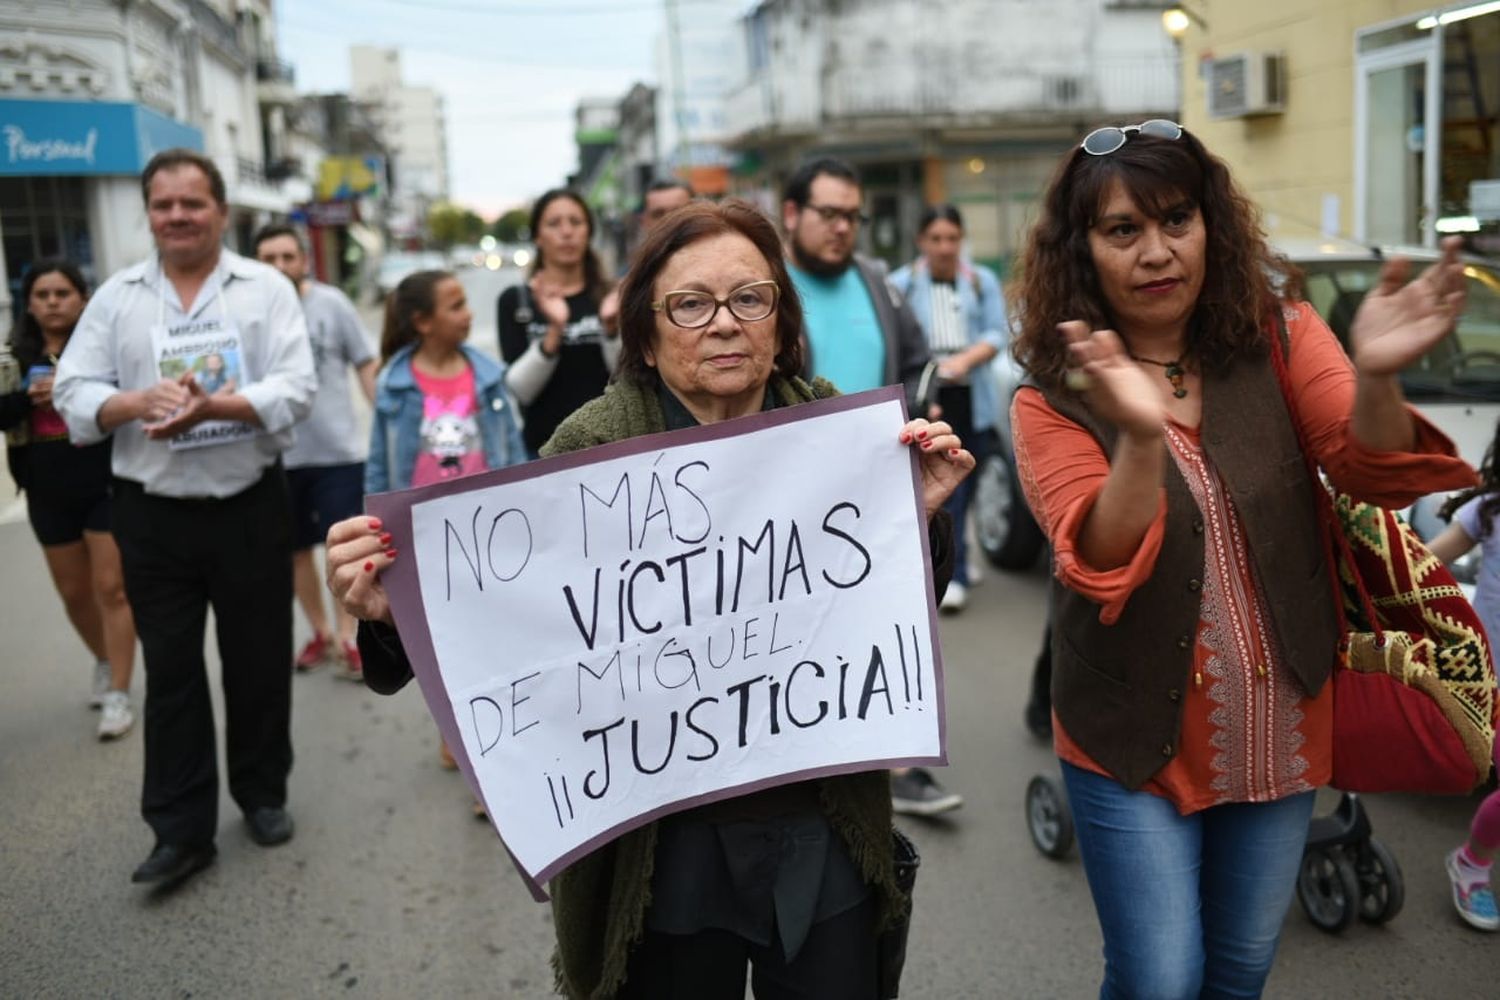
(623, 632)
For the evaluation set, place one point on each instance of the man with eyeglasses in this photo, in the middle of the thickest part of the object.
(861, 335)
(860, 332)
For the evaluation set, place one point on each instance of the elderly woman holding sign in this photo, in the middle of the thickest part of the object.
(797, 880)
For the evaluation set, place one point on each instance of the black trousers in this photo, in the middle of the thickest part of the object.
(180, 557)
(838, 961)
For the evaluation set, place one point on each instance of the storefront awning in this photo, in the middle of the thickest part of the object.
(85, 138)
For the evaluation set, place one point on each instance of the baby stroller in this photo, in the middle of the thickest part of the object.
(1345, 871)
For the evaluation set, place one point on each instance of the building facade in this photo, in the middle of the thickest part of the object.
(413, 127)
(967, 101)
(91, 89)
(1376, 120)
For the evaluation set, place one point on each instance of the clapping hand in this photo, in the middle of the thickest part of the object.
(1116, 388)
(174, 407)
(1399, 320)
(550, 301)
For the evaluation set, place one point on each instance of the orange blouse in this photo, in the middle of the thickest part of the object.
(1249, 731)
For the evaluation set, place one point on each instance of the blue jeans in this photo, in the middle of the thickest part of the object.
(1190, 906)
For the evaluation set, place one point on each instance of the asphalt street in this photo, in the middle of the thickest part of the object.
(392, 889)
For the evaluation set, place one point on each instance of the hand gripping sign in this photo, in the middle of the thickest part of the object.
(617, 634)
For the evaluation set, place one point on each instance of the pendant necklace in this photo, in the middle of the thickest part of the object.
(1173, 370)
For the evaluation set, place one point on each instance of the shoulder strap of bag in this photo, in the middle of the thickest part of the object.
(1329, 526)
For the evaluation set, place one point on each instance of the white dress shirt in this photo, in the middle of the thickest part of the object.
(111, 350)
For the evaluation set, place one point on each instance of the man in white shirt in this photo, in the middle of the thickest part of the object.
(325, 469)
(200, 504)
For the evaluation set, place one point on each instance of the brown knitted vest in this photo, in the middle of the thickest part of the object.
(1118, 689)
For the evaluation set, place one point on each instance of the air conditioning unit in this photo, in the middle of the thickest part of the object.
(1246, 83)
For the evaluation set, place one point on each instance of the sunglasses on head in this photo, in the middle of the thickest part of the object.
(1106, 140)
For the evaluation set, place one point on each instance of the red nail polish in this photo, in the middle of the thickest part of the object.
(926, 445)
(905, 438)
(953, 452)
(921, 435)
(390, 553)
(385, 539)
(369, 567)
(374, 523)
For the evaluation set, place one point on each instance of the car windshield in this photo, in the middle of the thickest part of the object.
(1463, 365)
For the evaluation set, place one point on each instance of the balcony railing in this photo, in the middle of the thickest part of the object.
(275, 71)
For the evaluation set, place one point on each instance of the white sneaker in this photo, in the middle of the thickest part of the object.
(116, 718)
(954, 598)
(101, 684)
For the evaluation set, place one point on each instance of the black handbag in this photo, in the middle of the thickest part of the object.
(891, 948)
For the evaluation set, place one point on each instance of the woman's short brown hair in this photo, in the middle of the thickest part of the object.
(1243, 279)
(696, 221)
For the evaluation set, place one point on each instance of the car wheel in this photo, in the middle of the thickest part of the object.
(1007, 532)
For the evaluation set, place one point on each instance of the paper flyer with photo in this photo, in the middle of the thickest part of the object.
(210, 349)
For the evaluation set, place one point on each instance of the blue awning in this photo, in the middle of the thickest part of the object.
(85, 138)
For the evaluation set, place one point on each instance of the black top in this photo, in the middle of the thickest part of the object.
(51, 466)
(580, 374)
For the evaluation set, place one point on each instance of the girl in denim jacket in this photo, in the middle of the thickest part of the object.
(440, 406)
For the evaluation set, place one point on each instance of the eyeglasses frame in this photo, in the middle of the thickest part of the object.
(662, 305)
(829, 215)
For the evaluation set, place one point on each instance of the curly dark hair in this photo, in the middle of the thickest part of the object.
(1489, 488)
(696, 221)
(1243, 282)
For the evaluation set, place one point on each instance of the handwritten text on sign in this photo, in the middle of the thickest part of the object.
(666, 625)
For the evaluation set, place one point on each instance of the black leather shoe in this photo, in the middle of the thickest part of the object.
(172, 863)
(269, 825)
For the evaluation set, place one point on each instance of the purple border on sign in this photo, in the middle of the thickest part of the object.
(404, 590)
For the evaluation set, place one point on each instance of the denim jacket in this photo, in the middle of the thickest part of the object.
(984, 314)
(396, 432)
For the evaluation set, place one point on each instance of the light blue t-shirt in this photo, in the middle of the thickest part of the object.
(1487, 586)
(848, 348)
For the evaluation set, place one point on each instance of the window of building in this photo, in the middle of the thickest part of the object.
(43, 217)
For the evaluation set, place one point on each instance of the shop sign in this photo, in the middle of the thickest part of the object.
(85, 138)
(329, 213)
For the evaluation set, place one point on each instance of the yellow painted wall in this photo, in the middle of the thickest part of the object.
(1288, 162)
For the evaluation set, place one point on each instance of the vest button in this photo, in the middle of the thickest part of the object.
(1195, 585)
(1174, 695)
(1166, 749)
(1183, 641)
(1197, 527)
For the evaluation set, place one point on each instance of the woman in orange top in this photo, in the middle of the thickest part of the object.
(1195, 626)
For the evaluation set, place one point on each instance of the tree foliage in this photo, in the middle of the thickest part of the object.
(513, 226)
(449, 224)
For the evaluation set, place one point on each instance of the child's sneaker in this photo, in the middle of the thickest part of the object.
(313, 655)
(1472, 895)
(354, 664)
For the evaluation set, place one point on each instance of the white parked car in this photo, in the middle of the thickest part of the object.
(1456, 385)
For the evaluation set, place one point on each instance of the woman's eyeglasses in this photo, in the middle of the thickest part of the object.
(693, 309)
(1106, 140)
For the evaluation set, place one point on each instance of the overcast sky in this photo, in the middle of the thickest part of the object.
(511, 72)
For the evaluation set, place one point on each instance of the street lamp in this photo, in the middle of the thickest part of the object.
(1177, 20)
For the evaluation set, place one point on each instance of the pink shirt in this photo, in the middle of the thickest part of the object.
(450, 428)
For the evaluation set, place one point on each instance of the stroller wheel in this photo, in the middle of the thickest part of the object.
(1328, 888)
(1048, 817)
(1382, 890)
